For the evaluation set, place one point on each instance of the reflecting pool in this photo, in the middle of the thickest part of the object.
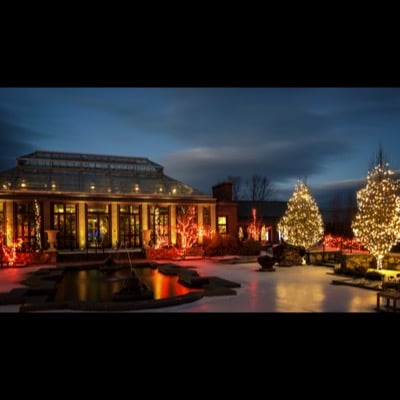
(99, 285)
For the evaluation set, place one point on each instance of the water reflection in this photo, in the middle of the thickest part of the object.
(358, 303)
(96, 285)
(300, 298)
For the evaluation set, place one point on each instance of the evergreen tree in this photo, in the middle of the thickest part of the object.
(377, 221)
(302, 224)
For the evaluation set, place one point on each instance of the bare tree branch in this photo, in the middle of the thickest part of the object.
(259, 188)
(236, 186)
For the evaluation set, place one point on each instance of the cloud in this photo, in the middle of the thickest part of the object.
(15, 140)
(203, 135)
(280, 160)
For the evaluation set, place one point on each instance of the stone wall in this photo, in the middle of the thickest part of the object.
(170, 253)
(167, 253)
(30, 258)
(352, 260)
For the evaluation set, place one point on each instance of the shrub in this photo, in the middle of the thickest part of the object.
(359, 271)
(222, 245)
(289, 254)
(250, 248)
(373, 275)
(344, 271)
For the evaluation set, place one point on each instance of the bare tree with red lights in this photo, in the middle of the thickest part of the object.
(186, 227)
(254, 228)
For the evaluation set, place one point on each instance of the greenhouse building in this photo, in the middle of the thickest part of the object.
(93, 201)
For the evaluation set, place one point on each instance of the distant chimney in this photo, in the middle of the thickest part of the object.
(223, 191)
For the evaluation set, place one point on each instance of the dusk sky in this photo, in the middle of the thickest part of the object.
(328, 136)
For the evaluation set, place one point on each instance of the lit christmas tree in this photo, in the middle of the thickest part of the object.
(302, 224)
(377, 222)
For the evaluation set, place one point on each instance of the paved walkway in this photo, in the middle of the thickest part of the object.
(298, 289)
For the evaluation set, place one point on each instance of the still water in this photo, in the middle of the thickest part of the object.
(96, 285)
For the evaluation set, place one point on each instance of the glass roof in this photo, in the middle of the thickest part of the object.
(91, 173)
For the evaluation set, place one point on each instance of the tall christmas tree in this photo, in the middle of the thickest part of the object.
(377, 222)
(302, 224)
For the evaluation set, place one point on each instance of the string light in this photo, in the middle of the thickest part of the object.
(302, 223)
(186, 227)
(377, 222)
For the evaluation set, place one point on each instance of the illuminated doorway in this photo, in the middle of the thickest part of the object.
(98, 226)
(129, 226)
(64, 221)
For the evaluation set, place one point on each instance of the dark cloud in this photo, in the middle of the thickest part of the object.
(279, 160)
(209, 116)
(203, 135)
(15, 140)
(341, 192)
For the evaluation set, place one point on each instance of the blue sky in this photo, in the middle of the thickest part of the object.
(328, 136)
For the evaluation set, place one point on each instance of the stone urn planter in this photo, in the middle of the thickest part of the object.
(267, 263)
(52, 238)
(146, 238)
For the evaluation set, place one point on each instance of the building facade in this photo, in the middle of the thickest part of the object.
(226, 209)
(95, 201)
(236, 218)
(263, 214)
